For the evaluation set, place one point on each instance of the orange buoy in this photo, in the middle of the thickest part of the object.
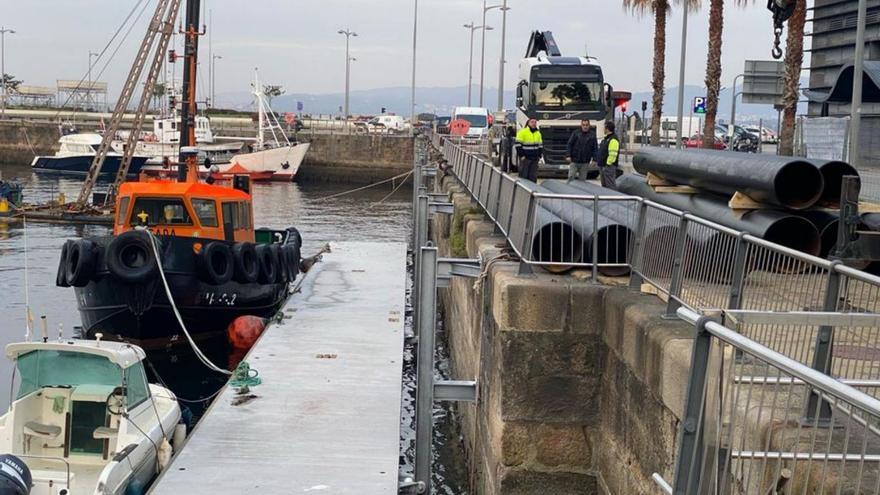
(242, 334)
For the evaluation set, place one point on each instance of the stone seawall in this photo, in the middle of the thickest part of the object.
(356, 158)
(331, 158)
(581, 385)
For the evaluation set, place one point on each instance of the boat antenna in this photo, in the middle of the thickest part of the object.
(28, 318)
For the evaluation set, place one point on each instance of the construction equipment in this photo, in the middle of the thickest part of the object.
(782, 10)
(559, 92)
(161, 27)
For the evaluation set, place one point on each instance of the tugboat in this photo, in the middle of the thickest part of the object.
(184, 258)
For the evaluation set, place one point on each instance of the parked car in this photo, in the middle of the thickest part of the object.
(696, 141)
(768, 136)
(386, 124)
(741, 140)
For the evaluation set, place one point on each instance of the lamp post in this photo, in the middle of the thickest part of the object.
(501, 62)
(733, 104)
(89, 90)
(855, 119)
(214, 59)
(472, 27)
(412, 126)
(3, 32)
(483, 45)
(684, 27)
(348, 34)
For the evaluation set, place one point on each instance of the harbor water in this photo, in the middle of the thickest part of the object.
(322, 212)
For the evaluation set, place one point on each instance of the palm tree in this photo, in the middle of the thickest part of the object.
(660, 9)
(713, 67)
(794, 58)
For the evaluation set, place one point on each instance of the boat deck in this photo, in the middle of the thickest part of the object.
(327, 416)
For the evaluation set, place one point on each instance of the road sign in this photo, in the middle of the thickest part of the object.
(700, 104)
(459, 127)
(762, 82)
(289, 118)
(299, 106)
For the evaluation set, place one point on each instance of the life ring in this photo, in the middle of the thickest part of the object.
(278, 256)
(247, 266)
(130, 257)
(61, 275)
(80, 263)
(216, 263)
(268, 269)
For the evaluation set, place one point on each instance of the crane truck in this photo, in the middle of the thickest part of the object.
(558, 91)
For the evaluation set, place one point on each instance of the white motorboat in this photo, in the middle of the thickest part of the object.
(271, 157)
(75, 155)
(85, 419)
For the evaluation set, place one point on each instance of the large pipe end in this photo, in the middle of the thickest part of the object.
(613, 243)
(796, 233)
(798, 185)
(557, 242)
(833, 173)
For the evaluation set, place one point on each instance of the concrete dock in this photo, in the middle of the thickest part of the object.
(326, 417)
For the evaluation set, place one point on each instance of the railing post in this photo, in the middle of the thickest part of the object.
(526, 245)
(737, 280)
(677, 267)
(595, 241)
(688, 461)
(425, 365)
(635, 261)
(822, 357)
(421, 221)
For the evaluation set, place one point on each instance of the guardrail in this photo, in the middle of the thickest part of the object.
(758, 287)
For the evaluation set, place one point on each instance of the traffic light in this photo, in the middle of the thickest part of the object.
(383, 109)
(623, 106)
(644, 106)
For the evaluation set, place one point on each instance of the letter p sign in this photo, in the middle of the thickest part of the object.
(700, 104)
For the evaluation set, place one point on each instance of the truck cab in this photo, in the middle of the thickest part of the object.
(559, 92)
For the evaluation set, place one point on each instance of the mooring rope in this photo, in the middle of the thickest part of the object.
(343, 193)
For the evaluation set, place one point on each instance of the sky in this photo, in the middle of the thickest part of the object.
(295, 42)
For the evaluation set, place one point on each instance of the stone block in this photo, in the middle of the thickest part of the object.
(537, 303)
(562, 446)
(516, 443)
(586, 306)
(528, 482)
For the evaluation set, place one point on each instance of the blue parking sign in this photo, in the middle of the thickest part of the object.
(700, 104)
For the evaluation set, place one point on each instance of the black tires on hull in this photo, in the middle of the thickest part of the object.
(216, 263)
(130, 257)
(80, 262)
(247, 265)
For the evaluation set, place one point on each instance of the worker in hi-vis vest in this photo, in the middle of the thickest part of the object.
(609, 153)
(529, 148)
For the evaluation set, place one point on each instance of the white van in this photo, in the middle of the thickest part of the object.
(479, 120)
(669, 128)
(390, 124)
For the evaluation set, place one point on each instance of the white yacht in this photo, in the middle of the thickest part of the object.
(76, 153)
(84, 418)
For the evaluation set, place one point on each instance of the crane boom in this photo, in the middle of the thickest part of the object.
(155, 28)
(146, 95)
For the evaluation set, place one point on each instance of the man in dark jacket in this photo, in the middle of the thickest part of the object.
(582, 149)
(609, 154)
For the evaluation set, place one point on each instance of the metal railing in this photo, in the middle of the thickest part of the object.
(819, 313)
(745, 430)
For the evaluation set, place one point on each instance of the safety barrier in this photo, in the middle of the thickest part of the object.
(821, 315)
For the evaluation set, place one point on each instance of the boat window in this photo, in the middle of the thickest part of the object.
(161, 125)
(159, 211)
(136, 382)
(48, 368)
(206, 210)
(244, 219)
(122, 214)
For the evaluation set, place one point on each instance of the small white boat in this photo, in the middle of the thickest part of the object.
(270, 158)
(75, 155)
(85, 419)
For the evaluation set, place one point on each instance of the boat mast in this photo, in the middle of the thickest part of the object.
(261, 110)
(188, 164)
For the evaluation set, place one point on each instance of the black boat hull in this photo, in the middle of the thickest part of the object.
(80, 165)
(140, 313)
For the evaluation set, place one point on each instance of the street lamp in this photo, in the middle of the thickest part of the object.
(348, 34)
(89, 90)
(3, 32)
(684, 27)
(483, 43)
(504, 9)
(472, 27)
(733, 104)
(214, 59)
(855, 116)
(413, 89)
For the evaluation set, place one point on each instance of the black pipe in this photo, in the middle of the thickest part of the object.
(783, 181)
(772, 225)
(833, 172)
(613, 232)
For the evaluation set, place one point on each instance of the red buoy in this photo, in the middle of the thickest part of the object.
(242, 334)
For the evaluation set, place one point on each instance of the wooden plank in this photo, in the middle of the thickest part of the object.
(327, 416)
(740, 201)
(654, 180)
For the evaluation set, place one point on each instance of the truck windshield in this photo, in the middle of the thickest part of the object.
(567, 95)
(474, 120)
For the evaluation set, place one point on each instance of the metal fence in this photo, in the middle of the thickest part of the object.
(820, 315)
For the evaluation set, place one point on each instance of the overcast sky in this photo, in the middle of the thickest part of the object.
(295, 42)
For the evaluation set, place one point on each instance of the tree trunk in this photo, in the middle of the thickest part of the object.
(794, 59)
(713, 71)
(660, 8)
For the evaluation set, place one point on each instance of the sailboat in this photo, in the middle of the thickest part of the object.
(272, 157)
